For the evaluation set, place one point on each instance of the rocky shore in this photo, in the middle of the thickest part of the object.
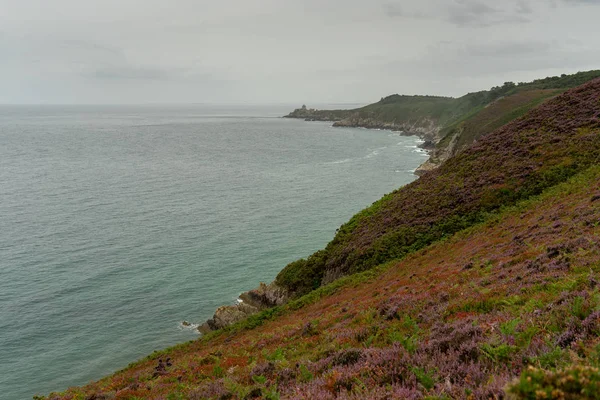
(249, 303)
(426, 128)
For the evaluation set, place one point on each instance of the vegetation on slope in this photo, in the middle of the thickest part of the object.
(493, 116)
(439, 116)
(562, 82)
(471, 103)
(546, 147)
(515, 296)
(397, 109)
(483, 112)
(463, 133)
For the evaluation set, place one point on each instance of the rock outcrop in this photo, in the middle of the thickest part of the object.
(265, 296)
(440, 153)
(228, 315)
(424, 127)
(251, 302)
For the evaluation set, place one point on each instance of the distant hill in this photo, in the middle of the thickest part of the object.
(452, 124)
(311, 114)
(461, 134)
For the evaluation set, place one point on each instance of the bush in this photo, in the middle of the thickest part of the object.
(575, 382)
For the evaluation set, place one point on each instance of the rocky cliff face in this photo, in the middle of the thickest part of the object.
(439, 154)
(425, 128)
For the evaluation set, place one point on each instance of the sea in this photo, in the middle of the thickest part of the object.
(119, 223)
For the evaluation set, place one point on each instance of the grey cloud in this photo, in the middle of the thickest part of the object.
(269, 51)
(30, 49)
(148, 73)
(466, 13)
(477, 13)
(393, 10)
(505, 50)
(523, 7)
(128, 73)
(511, 58)
(83, 46)
(592, 2)
(473, 7)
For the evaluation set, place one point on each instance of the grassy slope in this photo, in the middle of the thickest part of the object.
(459, 319)
(447, 111)
(480, 113)
(549, 144)
(397, 108)
(487, 119)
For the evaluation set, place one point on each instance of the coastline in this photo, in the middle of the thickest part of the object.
(365, 317)
(271, 295)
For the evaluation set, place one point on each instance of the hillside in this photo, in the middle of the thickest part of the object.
(521, 159)
(481, 271)
(422, 115)
(460, 135)
(489, 110)
(517, 295)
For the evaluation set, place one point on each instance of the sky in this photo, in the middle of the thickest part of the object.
(284, 51)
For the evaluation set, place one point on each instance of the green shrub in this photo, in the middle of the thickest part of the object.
(277, 355)
(425, 378)
(304, 275)
(574, 382)
(305, 374)
(498, 352)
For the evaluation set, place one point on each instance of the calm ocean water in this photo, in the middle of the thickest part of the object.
(118, 223)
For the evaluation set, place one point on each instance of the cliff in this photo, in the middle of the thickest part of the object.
(424, 127)
(501, 168)
(479, 280)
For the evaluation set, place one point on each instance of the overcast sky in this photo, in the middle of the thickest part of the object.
(284, 51)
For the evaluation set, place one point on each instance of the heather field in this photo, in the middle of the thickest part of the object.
(480, 280)
(515, 296)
